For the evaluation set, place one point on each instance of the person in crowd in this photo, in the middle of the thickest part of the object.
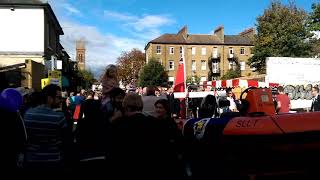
(157, 92)
(90, 133)
(90, 94)
(117, 96)
(72, 103)
(162, 111)
(231, 98)
(194, 104)
(315, 106)
(283, 101)
(25, 93)
(137, 145)
(35, 99)
(12, 135)
(148, 101)
(173, 137)
(208, 107)
(47, 131)
(174, 104)
(109, 81)
(76, 102)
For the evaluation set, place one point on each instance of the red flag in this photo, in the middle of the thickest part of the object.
(179, 85)
(179, 81)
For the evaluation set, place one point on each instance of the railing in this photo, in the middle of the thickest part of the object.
(215, 67)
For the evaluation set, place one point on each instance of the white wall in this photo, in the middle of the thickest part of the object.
(22, 30)
(293, 71)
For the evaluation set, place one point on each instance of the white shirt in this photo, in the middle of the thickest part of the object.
(233, 105)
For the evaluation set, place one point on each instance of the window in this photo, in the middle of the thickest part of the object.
(193, 49)
(203, 65)
(180, 50)
(215, 67)
(231, 50)
(194, 65)
(171, 50)
(242, 52)
(203, 78)
(158, 49)
(80, 58)
(171, 65)
(242, 66)
(215, 52)
(232, 65)
(203, 51)
(147, 57)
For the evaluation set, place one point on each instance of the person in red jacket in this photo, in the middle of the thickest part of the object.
(283, 101)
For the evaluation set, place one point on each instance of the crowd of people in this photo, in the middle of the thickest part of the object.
(117, 134)
(123, 134)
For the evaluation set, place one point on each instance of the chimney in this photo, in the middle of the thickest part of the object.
(184, 32)
(219, 32)
(248, 32)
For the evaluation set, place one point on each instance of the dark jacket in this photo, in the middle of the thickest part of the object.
(13, 138)
(316, 104)
(91, 130)
(138, 148)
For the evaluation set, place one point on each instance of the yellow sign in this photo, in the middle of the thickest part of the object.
(47, 81)
(44, 82)
(54, 74)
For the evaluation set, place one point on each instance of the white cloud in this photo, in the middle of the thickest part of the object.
(101, 49)
(112, 15)
(71, 9)
(64, 7)
(149, 24)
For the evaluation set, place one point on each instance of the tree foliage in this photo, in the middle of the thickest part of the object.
(129, 65)
(191, 81)
(232, 74)
(313, 25)
(281, 31)
(153, 74)
(86, 78)
(313, 22)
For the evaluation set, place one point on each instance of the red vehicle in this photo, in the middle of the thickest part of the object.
(255, 143)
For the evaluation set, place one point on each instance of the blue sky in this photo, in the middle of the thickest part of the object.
(112, 26)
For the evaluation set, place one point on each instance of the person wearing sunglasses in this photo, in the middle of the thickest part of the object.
(46, 130)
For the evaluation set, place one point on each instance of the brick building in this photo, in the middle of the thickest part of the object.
(207, 56)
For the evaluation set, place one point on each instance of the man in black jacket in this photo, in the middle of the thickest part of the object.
(316, 99)
(138, 146)
(174, 104)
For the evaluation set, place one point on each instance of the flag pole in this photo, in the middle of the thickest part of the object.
(185, 80)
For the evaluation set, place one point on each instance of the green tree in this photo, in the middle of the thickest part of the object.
(281, 31)
(153, 74)
(232, 74)
(129, 65)
(86, 78)
(195, 81)
(313, 25)
(313, 22)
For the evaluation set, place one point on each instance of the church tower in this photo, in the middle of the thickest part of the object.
(81, 54)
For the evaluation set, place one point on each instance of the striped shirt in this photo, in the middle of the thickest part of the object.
(45, 129)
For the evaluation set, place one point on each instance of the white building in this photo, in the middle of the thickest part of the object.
(29, 34)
